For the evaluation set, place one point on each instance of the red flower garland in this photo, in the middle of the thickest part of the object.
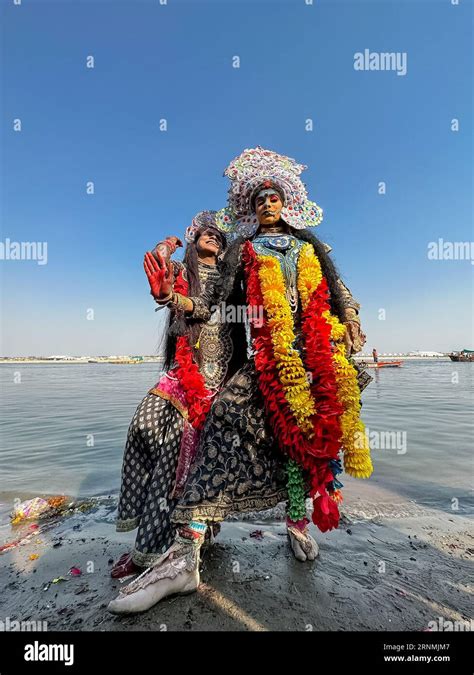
(198, 397)
(318, 359)
(312, 454)
(318, 348)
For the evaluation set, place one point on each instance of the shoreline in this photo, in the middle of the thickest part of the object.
(92, 362)
(383, 573)
(159, 360)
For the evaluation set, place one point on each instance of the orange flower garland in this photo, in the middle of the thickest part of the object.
(311, 417)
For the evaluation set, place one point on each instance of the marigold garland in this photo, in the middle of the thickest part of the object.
(338, 330)
(198, 397)
(332, 393)
(285, 428)
(356, 447)
(312, 455)
(309, 274)
(292, 373)
(356, 450)
(319, 361)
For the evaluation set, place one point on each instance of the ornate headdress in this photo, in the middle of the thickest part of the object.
(200, 222)
(248, 173)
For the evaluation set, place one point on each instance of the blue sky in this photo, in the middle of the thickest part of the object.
(174, 61)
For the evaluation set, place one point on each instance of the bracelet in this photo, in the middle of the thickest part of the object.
(172, 245)
(179, 301)
(352, 321)
(351, 314)
(165, 301)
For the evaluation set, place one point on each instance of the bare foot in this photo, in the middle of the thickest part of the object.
(302, 544)
(211, 533)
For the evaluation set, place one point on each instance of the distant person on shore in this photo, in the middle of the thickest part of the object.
(375, 356)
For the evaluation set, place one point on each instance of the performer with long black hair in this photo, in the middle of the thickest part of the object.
(163, 433)
(286, 421)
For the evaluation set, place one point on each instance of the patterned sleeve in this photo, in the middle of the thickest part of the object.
(200, 310)
(349, 301)
(347, 298)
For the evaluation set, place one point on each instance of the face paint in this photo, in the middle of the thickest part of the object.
(268, 206)
(268, 192)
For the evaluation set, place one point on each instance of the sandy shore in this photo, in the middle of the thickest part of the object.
(395, 572)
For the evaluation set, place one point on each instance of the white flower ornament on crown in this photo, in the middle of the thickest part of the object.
(247, 173)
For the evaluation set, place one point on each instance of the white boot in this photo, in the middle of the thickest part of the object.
(176, 572)
(144, 598)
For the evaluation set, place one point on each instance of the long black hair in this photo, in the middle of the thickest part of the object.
(230, 288)
(328, 269)
(177, 324)
(231, 272)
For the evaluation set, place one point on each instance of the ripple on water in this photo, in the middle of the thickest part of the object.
(64, 426)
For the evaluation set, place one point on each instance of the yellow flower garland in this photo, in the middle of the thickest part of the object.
(309, 274)
(291, 370)
(356, 449)
(290, 366)
(357, 462)
(338, 330)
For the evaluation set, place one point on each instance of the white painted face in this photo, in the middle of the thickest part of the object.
(268, 206)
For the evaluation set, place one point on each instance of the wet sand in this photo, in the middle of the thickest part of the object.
(394, 572)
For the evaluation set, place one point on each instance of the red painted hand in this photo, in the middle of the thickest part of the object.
(160, 275)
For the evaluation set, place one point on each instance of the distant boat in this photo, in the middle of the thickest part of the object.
(385, 364)
(464, 355)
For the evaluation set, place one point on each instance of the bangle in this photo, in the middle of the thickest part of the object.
(352, 319)
(165, 301)
(179, 301)
(351, 313)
